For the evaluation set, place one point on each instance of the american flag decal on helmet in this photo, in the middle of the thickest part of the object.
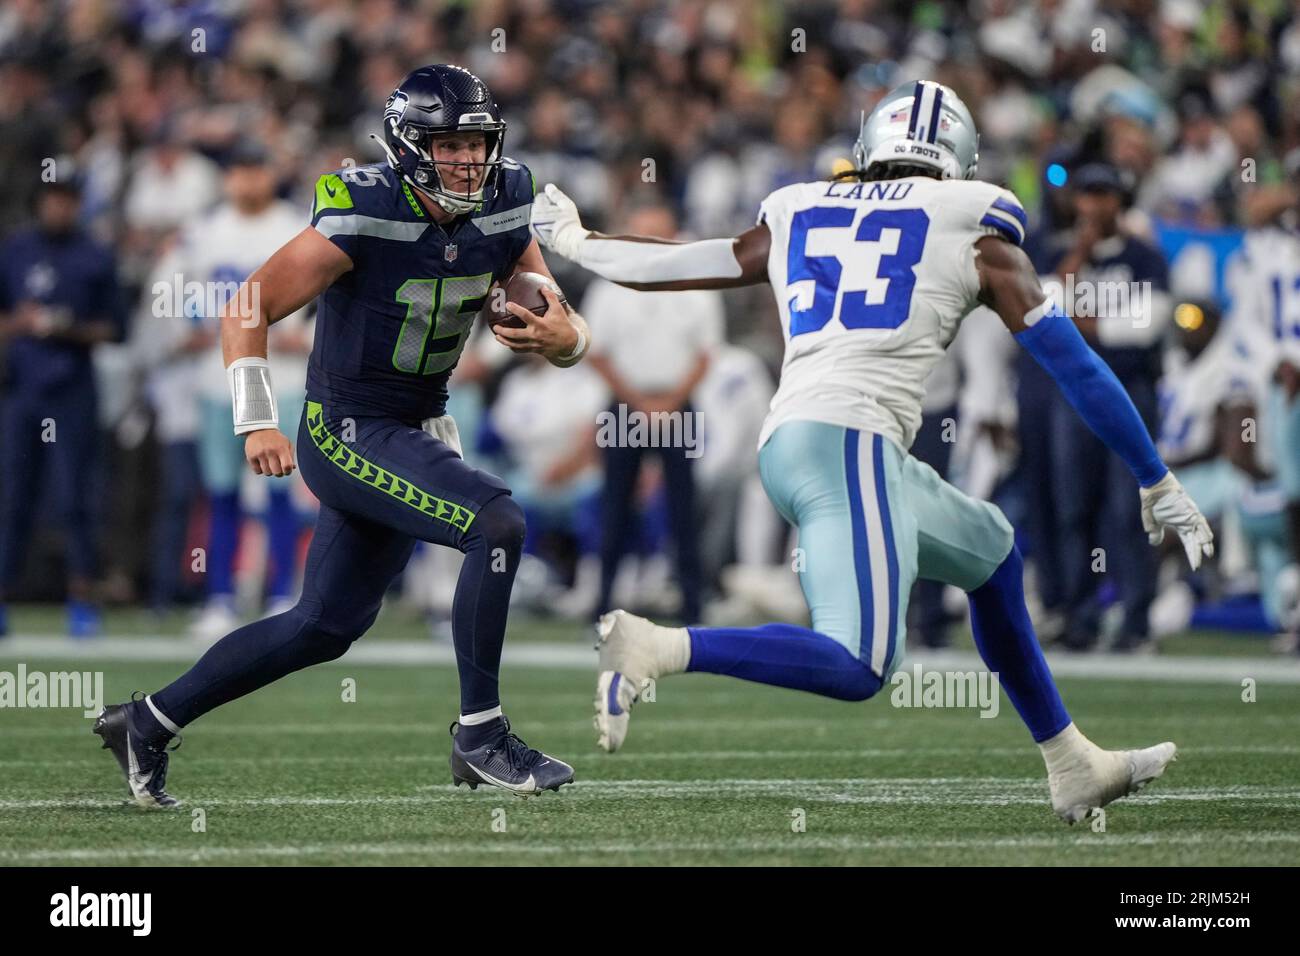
(923, 124)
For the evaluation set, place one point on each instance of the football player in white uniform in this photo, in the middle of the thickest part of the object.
(872, 275)
(222, 250)
(1266, 319)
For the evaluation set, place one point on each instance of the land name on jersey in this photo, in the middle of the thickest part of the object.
(887, 191)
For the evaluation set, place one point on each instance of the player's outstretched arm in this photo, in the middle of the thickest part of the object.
(1009, 285)
(643, 262)
(300, 270)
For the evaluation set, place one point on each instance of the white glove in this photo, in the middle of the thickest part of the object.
(556, 224)
(1166, 505)
(444, 429)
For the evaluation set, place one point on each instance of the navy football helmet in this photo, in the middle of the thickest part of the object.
(443, 99)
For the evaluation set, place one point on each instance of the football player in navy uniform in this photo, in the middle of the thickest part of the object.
(403, 255)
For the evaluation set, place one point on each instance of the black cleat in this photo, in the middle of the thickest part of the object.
(508, 763)
(143, 763)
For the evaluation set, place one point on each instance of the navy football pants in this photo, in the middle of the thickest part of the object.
(51, 440)
(382, 485)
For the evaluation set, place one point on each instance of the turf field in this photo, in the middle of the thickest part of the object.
(714, 772)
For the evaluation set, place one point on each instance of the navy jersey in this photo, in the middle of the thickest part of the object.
(72, 272)
(1119, 259)
(390, 330)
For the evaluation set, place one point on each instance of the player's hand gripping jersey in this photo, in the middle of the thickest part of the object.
(872, 280)
(391, 329)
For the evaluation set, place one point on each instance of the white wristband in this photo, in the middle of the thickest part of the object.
(577, 348)
(252, 397)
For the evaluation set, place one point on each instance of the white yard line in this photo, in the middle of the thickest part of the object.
(1275, 670)
(676, 727)
(912, 791)
(668, 756)
(507, 845)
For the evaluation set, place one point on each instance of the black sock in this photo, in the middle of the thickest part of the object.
(147, 725)
(471, 737)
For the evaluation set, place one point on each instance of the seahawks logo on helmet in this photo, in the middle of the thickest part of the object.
(395, 108)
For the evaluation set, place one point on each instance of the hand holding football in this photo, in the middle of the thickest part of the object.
(525, 290)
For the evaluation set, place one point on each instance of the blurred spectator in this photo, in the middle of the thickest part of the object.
(546, 417)
(1185, 185)
(652, 349)
(1116, 288)
(216, 254)
(1267, 330)
(1192, 388)
(737, 523)
(170, 186)
(710, 104)
(59, 298)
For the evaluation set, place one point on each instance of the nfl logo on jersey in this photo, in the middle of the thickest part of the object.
(449, 253)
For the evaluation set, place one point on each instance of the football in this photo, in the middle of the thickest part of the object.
(523, 289)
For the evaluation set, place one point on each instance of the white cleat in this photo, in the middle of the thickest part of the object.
(633, 652)
(1084, 777)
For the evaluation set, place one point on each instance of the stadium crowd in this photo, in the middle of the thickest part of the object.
(1155, 143)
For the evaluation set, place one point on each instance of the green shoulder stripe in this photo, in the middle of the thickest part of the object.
(331, 193)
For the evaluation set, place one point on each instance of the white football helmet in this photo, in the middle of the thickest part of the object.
(920, 124)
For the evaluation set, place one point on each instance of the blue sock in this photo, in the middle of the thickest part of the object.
(782, 655)
(223, 539)
(1006, 640)
(282, 528)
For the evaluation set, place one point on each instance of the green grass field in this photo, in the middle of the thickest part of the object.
(714, 772)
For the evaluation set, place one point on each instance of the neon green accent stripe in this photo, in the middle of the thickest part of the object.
(380, 478)
(331, 193)
(410, 197)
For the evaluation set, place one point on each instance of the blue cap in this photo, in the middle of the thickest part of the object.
(1099, 177)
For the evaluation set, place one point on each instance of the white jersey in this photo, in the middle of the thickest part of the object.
(1191, 391)
(222, 250)
(1266, 299)
(872, 280)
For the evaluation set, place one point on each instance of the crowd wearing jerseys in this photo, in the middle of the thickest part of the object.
(1190, 109)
